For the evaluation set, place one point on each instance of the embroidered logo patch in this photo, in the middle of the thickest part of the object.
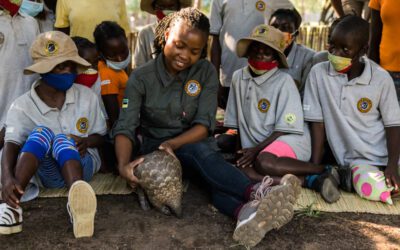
(192, 88)
(260, 5)
(364, 105)
(51, 48)
(263, 105)
(82, 125)
(1, 38)
(290, 118)
(125, 103)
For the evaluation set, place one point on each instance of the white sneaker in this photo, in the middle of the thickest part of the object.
(10, 219)
(81, 207)
(271, 209)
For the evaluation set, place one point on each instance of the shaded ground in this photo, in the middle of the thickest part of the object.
(121, 224)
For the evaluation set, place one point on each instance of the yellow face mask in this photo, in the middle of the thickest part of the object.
(339, 63)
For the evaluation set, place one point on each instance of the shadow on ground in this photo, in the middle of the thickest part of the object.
(121, 224)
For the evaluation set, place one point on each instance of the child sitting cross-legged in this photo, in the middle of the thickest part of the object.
(264, 105)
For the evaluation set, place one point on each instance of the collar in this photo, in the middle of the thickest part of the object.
(43, 108)
(363, 79)
(163, 75)
(258, 79)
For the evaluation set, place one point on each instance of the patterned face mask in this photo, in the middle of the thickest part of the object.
(10, 6)
(339, 63)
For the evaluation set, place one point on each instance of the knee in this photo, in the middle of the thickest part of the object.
(39, 142)
(64, 149)
(266, 164)
(199, 149)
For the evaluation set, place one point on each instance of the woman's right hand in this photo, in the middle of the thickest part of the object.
(11, 192)
(127, 172)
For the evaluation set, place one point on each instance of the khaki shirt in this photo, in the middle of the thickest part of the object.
(80, 115)
(300, 63)
(144, 50)
(16, 37)
(355, 112)
(164, 106)
(259, 106)
(232, 20)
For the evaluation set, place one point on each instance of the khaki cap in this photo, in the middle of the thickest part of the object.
(50, 49)
(145, 5)
(267, 35)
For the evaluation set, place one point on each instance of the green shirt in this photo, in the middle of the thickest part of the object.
(163, 106)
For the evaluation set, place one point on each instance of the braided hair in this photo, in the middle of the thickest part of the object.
(191, 16)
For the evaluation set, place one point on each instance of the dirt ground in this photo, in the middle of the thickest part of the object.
(121, 224)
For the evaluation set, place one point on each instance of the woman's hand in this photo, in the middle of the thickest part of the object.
(167, 147)
(128, 172)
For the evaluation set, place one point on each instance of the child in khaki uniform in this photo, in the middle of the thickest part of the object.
(352, 101)
(52, 133)
(264, 105)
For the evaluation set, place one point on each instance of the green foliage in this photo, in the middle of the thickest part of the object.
(308, 211)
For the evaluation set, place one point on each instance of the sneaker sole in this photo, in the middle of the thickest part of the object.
(329, 191)
(82, 203)
(11, 229)
(274, 211)
(295, 184)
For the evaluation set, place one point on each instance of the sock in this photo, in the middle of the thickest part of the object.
(64, 150)
(309, 179)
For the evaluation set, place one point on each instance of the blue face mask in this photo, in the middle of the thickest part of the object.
(31, 8)
(61, 82)
(119, 65)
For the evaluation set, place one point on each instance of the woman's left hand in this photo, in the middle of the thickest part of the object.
(167, 147)
(392, 176)
(248, 158)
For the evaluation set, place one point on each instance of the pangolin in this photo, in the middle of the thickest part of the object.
(160, 179)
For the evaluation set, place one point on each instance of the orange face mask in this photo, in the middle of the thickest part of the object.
(289, 38)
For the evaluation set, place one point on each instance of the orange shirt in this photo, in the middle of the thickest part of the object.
(389, 50)
(113, 82)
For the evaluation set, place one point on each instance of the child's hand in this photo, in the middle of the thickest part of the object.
(392, 177)
(81, 144)
(11, 192)
(248, 158)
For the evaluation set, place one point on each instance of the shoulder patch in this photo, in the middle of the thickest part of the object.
(82, 125)
(263, 105)
(364, 105)
(192, 88)
(260, 5)
(290, 118)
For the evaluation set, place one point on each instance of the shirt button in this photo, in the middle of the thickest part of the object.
(344, 98)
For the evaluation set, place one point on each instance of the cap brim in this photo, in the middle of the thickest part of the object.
(46, 66)
(243, 44)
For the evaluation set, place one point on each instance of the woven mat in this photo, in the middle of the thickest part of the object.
(109, 184)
